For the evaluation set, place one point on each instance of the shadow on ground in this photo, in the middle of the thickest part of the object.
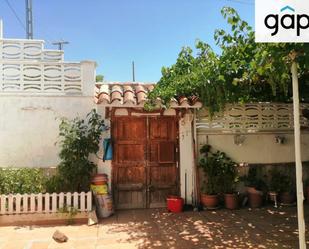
(245, 228)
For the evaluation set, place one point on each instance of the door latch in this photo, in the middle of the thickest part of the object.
(149, 188)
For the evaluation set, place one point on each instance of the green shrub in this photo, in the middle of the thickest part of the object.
(78, 139)
(219, 170)
(255, 178)
(22, 180)
(54, 184)
(280, 182)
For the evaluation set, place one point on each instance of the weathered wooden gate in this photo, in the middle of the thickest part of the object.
(145, 163)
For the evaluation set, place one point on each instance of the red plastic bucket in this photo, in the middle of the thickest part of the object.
(174, 204)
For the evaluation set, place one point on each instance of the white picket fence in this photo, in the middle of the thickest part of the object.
(44, 203)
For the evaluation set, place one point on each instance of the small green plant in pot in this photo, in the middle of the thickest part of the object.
(229, 178)
(275, 181)
(287, 190)
(256, 187)
(219, 173)
(282, 184)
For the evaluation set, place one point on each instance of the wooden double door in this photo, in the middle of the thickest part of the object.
(145, 161)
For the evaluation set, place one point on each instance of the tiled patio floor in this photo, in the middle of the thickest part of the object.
(261, 228)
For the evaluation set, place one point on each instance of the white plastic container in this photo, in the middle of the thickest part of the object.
(104, 205)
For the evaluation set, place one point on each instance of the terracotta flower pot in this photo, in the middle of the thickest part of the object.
(287, 198)
(255, 199)
(231, 201)
(210, 201)
(254, 190)
(100, 179)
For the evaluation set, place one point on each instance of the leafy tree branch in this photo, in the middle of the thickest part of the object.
(244, 71)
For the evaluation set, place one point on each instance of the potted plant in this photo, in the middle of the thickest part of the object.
(221, 175)
(287, 191)
(211, 185)
(229, 178)
(282, 185)
(255, 187)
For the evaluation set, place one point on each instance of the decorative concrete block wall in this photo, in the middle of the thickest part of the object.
(254, 133)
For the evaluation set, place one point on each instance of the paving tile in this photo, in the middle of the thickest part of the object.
(2, 244)
(126, 216)
(267, 243)
(267, 227)
(106, 241)
(281, 234)
(110, 220)
(85, 244)
(289, 244)
(39, 245)
(228, 220)
(118, 246)
(17, 244)
(66, 245)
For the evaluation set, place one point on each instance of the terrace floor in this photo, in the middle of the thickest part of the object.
(155, 228)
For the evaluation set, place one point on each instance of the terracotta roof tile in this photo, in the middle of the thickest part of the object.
(117, 88)
(140, 88)
(104, 98)
(129, 97)
(132, 94)
(150, 88)
(183, 101)
(128, 88)
(116, 95)
(141, 97)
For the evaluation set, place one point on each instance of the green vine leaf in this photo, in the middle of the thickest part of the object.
(243, 71)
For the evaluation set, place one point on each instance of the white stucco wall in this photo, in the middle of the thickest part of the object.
(37, 88)
(29, 127)
(257, 148)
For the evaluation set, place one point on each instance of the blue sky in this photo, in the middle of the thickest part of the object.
(115, 32)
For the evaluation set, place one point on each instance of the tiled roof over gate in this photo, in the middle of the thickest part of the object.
(133, 94)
